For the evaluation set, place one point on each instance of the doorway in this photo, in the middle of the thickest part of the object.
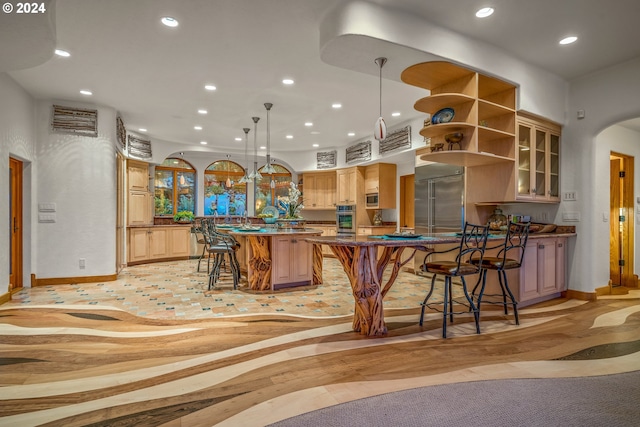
(15, 224)
(622, 218)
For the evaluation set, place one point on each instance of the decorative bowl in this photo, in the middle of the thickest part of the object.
(270, 220)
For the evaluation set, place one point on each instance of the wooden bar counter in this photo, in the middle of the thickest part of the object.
(365, 258)
(274, 259)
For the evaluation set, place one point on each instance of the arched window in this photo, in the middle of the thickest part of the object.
(174, 187)
(265, 193)
(222, 191)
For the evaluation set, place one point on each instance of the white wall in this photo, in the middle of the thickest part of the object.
(17, 139)
(78, 174)
(607, 97)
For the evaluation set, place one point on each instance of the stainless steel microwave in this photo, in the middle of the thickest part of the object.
(372, 200)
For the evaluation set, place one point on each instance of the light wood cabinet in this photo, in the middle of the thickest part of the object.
(139, 201)
(380, 179)
(350, 186)
(542, 274)
(294, 261)
(538, 161)
(327, 230)
(319, 190)
(155, 243)
(483, 111)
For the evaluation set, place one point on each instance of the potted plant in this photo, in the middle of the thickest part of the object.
(184, 217)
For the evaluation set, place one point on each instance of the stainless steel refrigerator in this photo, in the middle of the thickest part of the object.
(439, 200)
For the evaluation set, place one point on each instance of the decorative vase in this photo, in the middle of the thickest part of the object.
(498, 222)
(377, 218)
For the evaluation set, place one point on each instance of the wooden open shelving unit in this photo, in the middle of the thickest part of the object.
(484, 112)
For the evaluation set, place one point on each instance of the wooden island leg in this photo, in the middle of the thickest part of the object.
(259, 263)
(359, 264)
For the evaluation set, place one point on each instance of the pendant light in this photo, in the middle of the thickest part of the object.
(255, 175)
(227, 183)
(268, 169)
(380, 131)
(245, 178)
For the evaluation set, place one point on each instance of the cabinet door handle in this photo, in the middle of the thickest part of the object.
(560, 245)
(540, 246)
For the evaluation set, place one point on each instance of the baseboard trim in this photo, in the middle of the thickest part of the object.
(4, 298)
(580, 295)
(151, 261)
(71, 280)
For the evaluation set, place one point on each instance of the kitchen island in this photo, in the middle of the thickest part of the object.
(274, 259)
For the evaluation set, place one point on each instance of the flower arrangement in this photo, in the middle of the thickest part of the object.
(291, 205)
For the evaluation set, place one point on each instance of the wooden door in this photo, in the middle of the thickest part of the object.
(621, 220)
(407, 201)
(15, 225)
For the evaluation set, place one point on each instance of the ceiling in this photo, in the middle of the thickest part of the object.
(154, 76)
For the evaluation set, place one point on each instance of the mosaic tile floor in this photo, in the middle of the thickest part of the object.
(175, 290)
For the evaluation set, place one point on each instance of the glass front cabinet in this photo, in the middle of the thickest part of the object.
(538, 161)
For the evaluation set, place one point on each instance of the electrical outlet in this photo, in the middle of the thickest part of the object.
(569, 196)
(82, 263)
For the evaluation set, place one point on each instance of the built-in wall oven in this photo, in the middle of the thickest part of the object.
(346, 219)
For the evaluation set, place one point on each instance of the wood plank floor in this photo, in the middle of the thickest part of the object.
(78, 365)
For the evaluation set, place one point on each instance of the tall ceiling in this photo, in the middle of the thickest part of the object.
(154, 76)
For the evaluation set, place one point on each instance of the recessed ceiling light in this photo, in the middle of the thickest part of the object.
(142, 130)
(86, 92)
(336, 105)
(308, 124)
(568, 40)
(197, 127)
(316, 145)
(289, 136)
(202, 111)
(315, 132)
(63, 53)
(484, 12)
(169, 21)
(203, 142)
(396, 114)
(210, 87)
(351, 134)
(237, 138)
(262, 147)
(287, 81)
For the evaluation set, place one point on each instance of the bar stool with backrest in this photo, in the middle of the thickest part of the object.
(220, 245)
(197, 229)
(509, 257)
(466, 262)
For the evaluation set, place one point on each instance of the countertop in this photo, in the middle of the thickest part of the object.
(433, 239)
(274, 232)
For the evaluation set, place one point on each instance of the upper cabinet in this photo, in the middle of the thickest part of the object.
(538, 160)
(139, 201)
(480, 108)
(350, 186)
(319, 190)
(380, 186)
